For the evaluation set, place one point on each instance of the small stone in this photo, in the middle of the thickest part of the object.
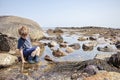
(48, 58)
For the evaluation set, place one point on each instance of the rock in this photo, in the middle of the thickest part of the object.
(87, 46)
(58, 53)
(64, 45)
(92, 38)
(59, 38)
(50, 31)
(104, 56)
(117, 44)
(91, 69)
(82, 38)
(115, 60)
(69, 50)
(48, 58)
(10, 24)
(52, 44)
(105, 76)
(7, 59)
(100, 64)
(75, 46)
(58, 30)
(108, 48)
(74, 76)
(7, 43)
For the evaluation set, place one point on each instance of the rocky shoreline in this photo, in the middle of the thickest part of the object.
(59, 43)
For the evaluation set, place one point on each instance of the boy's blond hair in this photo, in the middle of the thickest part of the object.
(23, 31)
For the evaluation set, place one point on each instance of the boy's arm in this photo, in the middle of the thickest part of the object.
(22, 57)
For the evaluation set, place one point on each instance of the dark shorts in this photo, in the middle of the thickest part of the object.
(27, 52)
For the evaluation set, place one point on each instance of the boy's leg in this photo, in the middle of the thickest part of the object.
(30, 53)
(36, 53)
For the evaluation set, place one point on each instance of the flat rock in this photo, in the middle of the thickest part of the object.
(7, 59)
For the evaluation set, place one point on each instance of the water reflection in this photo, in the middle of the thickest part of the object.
(77, 55)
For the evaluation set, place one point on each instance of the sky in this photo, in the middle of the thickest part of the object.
(65, 13)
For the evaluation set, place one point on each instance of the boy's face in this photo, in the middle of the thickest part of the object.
(24, 37)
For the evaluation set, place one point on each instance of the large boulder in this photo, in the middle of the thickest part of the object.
(7, 59)
(7, 43)
(9, 25)
(115, 60)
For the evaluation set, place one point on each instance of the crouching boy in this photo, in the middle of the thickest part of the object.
(27, 51)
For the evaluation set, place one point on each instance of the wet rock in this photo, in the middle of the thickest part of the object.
(7, 59)
(64, 45)
(92, 38)
(100, 64)
(59, 38)
(48, 58)
(91, 69)
(82, 38)
(50, 31)
(75, 46)
(52, 44)
(69, 50)
(7, 43)
(58, 30)
(108, 48)
(115, 60)
(58, 53)
(49, 38)
(104, 76)
(74, 76)
(117, 44)
(87, 46)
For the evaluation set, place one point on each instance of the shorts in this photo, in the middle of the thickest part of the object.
(27, 52)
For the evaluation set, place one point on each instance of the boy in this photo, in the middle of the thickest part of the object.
(25, 48)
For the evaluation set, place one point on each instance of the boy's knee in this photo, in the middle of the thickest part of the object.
(38, 48)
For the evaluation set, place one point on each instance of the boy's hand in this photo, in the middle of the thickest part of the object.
(24, 61)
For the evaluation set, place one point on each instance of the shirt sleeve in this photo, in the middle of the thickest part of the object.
(20, 44)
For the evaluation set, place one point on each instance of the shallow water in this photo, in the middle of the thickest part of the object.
(77, 55)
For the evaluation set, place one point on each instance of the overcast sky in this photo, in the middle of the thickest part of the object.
(68, 13)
